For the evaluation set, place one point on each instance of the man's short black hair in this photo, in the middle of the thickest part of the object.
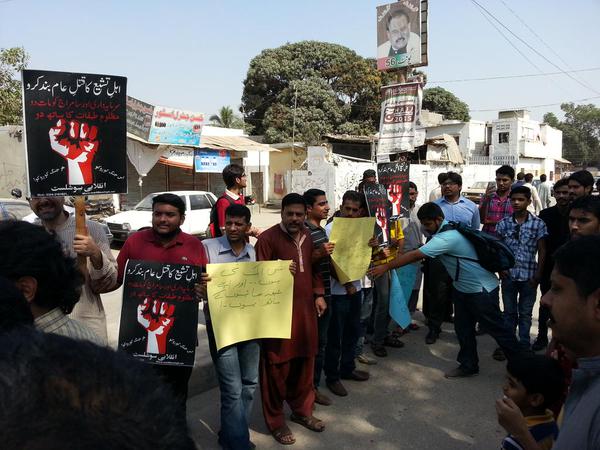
(412, 185)
(14, 310)
(310, 196)
(528, 177)
(236, 210)
(230, 173)
(369, 173)
(454, 177)
(583, 177)
(506, 170)
(29, 250)
(560, 183)
(442, 177)
(524, 190)
(588, 204)
(578, 260)
(170, 199)
(351, 196)
(539, 374)
(59, 393)
(520, 176)
(543, 177)
(430, 211)
(396, 13)
(293, 199)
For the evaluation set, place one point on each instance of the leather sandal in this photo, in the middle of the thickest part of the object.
(312, 423)
(283, 435)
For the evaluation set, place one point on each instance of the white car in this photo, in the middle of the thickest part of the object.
(197, 216)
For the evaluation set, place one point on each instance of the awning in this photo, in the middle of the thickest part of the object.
(237, 143)
(562, 160)
(443, 148)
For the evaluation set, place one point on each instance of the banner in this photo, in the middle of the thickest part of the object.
(139, 117)
(211, 161)
(394, 177)
(175, 126)
(75, 133)
(352, 254)
(379, 208)
(399, 112)
(250, 300)
(401, 284)
(159, 316)
(399, 35)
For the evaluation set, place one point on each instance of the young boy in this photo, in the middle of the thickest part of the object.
(533, 383)
(524, 233)
(496, 206)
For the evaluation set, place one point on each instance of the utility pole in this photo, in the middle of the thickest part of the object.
(293, 135)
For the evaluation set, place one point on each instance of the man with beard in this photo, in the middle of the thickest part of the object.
(166, 243)
(287, 365)
(584, 217)
(100, 268)
(581, 183)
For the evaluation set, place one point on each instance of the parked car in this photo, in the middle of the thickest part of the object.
(198, 205)
(478, 190)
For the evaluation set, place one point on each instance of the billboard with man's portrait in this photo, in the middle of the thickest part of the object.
(399, 35)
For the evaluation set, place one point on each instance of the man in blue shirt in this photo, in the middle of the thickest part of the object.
(474, 292)
(237, 364)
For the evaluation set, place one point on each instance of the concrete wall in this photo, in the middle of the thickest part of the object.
(13, 172)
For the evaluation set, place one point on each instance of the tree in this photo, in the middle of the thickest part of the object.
(12, 61)
(581, 132)
(226, 119)
(307, 89)
(444, 102)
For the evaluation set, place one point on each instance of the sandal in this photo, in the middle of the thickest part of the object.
(393, 341)
(284, 436)
(310, 422)
(379, 350)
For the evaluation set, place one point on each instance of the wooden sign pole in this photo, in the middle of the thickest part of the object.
(80, 228)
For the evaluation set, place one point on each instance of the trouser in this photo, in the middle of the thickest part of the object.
(518, 298)
(543, 312)
(381, 309)
(176, 377)
(482, 307)
(237, 373)
(344, 330)
(323, 329)
(414, 296)
(365, 315)
(290, 381)
(437, 304)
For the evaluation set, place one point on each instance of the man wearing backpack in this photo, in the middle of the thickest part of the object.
(475, 290)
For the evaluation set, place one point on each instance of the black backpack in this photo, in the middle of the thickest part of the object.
(492, 254)
(215, 227)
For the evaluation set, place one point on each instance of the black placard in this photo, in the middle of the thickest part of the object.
(379, 207)
(394, 177)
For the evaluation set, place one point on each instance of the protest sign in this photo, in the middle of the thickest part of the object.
(394, 177)
(75, 133)
(175, 126)
(399, 112)
(159, 316)
(250, 300)
(139, 117)
(402, 282)
(379, 207)
(211, 161)
(352, 254)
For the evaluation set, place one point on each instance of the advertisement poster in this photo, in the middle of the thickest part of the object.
(75, 131)
(394, 177)
(159, 316)
(211, 161)
(399, 111)
(175, 126)
(399, 35)
(379, 207)
(139, 117)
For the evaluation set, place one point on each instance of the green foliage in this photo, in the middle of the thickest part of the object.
(581, 132)
(226, 119)
(444, 102)
(12, 61)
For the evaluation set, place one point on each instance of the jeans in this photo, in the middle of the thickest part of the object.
(344, 329)
(518, 298)
(365, 315)
(381, 312)
(482, 307)
(237, 372)
(323, 330)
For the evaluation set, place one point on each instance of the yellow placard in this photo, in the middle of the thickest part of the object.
(352, 254)
(250, 300)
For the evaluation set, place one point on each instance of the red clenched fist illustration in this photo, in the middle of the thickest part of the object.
(395, 197)
(76, 142)
(157, 319)
(382, 221)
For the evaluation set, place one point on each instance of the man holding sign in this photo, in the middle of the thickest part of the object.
(287, 365)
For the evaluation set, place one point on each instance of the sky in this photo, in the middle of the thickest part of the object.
(194, 55)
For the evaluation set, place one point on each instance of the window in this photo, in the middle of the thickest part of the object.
(199, 202)
(503, 138)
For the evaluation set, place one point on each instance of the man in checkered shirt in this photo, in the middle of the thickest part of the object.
(525, 234)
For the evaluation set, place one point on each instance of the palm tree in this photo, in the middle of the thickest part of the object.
(226, 119)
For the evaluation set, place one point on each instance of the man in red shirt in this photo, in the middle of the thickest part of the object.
(166, 243)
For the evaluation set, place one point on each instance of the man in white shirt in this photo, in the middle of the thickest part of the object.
(536, 205)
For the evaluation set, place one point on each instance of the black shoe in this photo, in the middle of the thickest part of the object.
(337, 388)
(432, 336)
(459, 372)
(539, 344)
(356, 375)
(499, 355)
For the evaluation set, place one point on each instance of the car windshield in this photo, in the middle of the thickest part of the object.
(479, 185)
(146, 203)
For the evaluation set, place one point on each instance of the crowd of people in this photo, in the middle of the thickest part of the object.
(51, 279)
